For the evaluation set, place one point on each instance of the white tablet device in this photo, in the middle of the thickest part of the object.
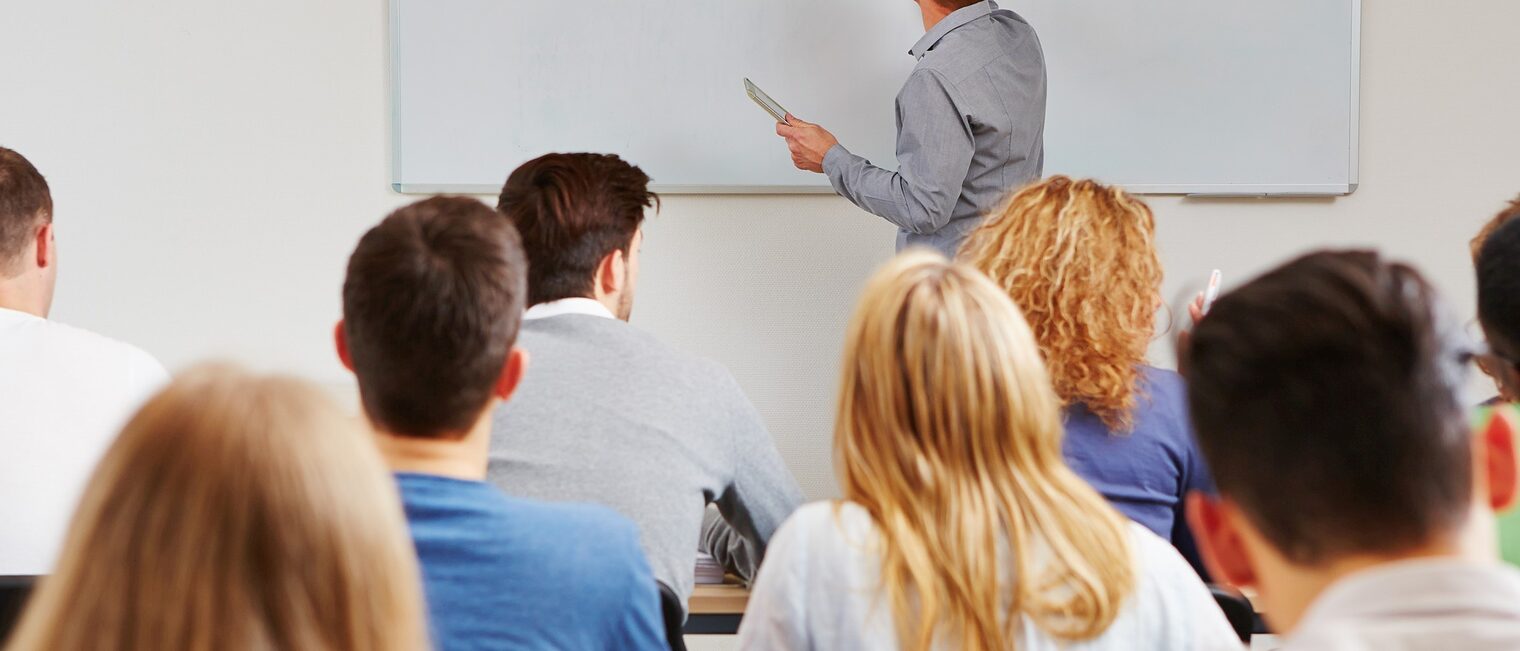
(765, 101)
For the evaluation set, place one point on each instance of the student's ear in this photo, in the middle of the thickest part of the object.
(47, 249)
(611, 273)
(512, 373)
(1219, 540)
(1496, 443)
(340, 338)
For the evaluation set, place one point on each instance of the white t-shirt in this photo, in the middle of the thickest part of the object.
(64, 393)
(819, 588)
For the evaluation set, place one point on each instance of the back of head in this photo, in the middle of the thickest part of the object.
(573, 210)
(1505, 216)
(1499, 287)
(234, 512)
(949, 435)
(1079, 258)
(431, 307)
(25, 202)
(1343, 368)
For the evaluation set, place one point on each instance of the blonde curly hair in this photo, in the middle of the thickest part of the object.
(1079, 258)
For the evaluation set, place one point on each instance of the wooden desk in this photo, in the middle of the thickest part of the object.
(716, 609)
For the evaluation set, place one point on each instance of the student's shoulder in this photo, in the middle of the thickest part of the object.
(1163, 390)
(592, 521)
(1160, 379)
(1171, 597)
(1165, 580)
(609, 335)
(106, 352)
(826, 531)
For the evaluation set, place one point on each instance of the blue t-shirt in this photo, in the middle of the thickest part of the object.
(506, 573)
(1146, 472)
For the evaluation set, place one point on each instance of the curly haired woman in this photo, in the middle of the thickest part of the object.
(1079, 258)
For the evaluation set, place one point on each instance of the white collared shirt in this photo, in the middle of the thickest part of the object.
(1418, 605)
(576, 305)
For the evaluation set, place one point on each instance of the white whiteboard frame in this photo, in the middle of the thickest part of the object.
(1217, 191)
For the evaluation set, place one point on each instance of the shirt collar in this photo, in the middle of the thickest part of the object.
(949, 24)
(576, 305)
(1415, 588)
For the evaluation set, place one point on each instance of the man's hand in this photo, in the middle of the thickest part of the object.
(808, 142)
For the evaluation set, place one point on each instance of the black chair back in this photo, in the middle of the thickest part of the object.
(675, 617)
(13, 593)
(1237, 610)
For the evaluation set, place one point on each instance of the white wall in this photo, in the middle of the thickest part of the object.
(213, 164)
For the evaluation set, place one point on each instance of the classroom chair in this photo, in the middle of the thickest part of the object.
(670, 607)
(13, 593)
(1237, 610)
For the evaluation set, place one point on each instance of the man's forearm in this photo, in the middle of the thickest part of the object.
(726, 546)
(880, 192)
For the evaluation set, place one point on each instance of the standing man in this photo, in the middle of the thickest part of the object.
(970, 127)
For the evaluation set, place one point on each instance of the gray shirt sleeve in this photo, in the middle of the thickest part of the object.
(934, 151)
(760, 496)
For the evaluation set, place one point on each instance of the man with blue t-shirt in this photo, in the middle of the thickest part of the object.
(431, 308)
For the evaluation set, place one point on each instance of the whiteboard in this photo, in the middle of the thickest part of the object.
(1214, 97)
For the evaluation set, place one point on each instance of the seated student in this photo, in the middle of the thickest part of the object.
(431, 307)
(64, 392)
(1352, 491)
(1503, 282)
(234, 512)
(1079, 259)
(610, 414)
(961, 526)
(1497, 253)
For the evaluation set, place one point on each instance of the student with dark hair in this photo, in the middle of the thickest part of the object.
(612, 415)
(1496, 251)
(64, 392)
(431, 308)
(1352, 491)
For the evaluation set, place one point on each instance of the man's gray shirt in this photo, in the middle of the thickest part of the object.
(970, 130)
(610, 415)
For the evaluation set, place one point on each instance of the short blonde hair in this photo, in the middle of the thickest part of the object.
(949, 435)
(1079, 258)
(234, 512)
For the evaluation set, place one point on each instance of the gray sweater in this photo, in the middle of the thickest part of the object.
(610, 415)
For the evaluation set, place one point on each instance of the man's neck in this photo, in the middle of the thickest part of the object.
(1289, 592)
(22, 296)
(445, 456)
(933, 13)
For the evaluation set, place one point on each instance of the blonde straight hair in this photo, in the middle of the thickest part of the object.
(949, 435)
(234, 512)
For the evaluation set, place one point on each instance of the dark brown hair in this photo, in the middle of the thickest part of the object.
(431, 307)
(25, 201)
(1345, 369)
(1499, 290)
(1510, 212)
(572, 210)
